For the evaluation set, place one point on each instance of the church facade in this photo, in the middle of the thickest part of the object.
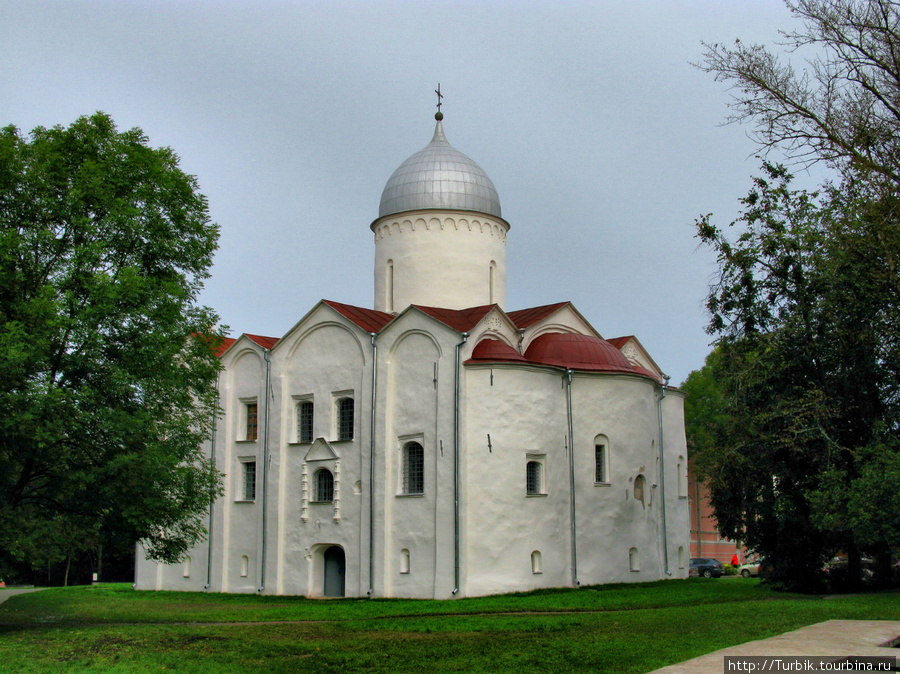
(438, 445)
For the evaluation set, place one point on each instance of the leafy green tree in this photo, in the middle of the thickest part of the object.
(706, 410)
(806, 303)
(806, 311)
(106, 389)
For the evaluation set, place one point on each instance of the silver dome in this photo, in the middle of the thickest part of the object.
(439, 176)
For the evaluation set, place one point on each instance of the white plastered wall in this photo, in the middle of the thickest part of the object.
(453, 260)
(323, 359)
(523, 409)
(678, 513)
(416, 374)
(244, 380)
(610, 520)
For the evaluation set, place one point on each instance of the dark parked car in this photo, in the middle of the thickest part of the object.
(706, 567)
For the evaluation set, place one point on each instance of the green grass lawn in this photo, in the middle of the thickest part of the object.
(615, 628)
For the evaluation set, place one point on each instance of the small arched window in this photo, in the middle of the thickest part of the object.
(640, 486)
(682, 477)
(492, 283)
(681, 557)
(345, 419)
(404, 561)
(245, 566)
(324, 482)
(534, 483)
(389, 286)
(536, 566)
(186, 568)
(305, 421)
(633, 562)
(413, 468)
(601, 459)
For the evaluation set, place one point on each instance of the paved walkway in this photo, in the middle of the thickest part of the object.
(832, 637)
(6, 593)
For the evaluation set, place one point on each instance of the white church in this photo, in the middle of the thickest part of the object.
(438, 445)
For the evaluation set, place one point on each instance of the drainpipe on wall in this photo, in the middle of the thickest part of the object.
(575, 582)
(465, 338)
(212, 501)
(265, 476)
(372, 471)
(662, 472)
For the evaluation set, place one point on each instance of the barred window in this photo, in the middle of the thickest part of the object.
(345, 419)
(305, 421)
(533, 478)
(600, 464)
(413, 468)
(249, 480)
(324, 482)
(252, 421)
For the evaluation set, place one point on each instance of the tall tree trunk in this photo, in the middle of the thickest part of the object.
(66, 578)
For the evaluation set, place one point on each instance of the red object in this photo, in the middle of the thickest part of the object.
(526, 317)
(368, 319)
(264, 342)
(226, 342)
(577, 352)
(461, 320)
(494, 350)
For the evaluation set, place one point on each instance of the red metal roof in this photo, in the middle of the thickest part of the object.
(619, 342)
(526, 317)
(264, 342)
(216, 343)
(644, 371)
(560, 349)
(461, 320)
(368, 319)
(577, 352)
(226, 342)
(494, 350)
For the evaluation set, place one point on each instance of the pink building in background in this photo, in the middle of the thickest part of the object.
(706, 540)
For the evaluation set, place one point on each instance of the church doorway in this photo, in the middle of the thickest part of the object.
(335, 568)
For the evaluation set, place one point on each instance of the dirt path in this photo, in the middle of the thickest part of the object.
(7, 593)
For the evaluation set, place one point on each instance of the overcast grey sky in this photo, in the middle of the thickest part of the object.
(603, 141)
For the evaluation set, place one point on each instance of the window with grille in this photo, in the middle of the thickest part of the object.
(413, 468)
(600, 464)
(345, 419)
(252, 421)
(249, 480)
(533, 478)
(324, 482)
(305, 421)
